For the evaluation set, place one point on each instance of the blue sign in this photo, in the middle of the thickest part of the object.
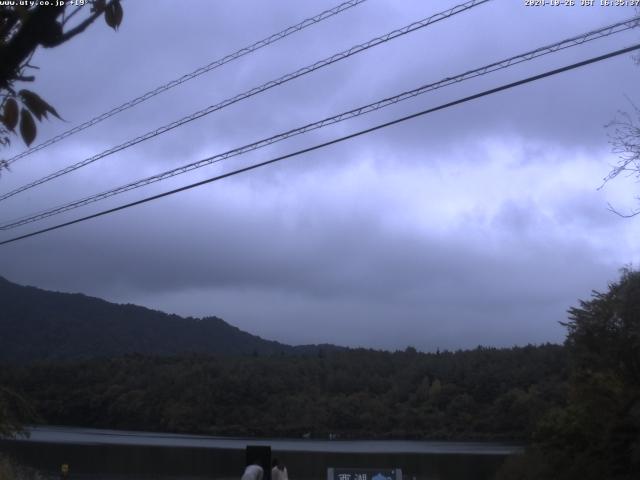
(364, 474)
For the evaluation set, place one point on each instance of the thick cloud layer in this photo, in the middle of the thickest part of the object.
(480, 224)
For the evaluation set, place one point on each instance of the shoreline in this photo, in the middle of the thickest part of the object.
(92, 436)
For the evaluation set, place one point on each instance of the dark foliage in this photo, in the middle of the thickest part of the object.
(15, 411)
(597, 434)
(168, 380)
(24, 27)
(482, 393)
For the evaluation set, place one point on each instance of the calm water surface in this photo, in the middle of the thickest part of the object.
(122, 455)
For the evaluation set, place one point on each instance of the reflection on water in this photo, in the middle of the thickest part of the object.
(84, 436)
(98, 460)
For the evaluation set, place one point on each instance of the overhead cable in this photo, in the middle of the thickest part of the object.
(502, 64)
(331, 142)
(254, 91)
(189, 76)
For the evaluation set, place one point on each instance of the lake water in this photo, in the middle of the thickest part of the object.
(123, 455)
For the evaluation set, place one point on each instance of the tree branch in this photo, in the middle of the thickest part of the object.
(11, 20)
(71, 15)
(623, 215)
(35, 30)
(81, 27)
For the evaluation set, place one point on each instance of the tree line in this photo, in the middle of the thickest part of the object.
(577, 405)
(485, 393)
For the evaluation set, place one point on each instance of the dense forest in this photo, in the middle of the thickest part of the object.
(482, 393)
(577, 406)
(73, 356)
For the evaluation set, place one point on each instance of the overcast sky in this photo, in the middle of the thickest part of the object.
(479, 224)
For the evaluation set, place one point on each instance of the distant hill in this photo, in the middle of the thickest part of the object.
(37, 324)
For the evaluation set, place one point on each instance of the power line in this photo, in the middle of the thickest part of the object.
(334, 141)
(189, 76)
(254, 91)
(502, 64)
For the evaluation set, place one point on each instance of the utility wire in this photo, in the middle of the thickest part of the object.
(189, 76)
(334, 141)
(502, 64)
(254, 91)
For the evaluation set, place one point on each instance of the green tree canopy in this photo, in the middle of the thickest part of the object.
(597, 435)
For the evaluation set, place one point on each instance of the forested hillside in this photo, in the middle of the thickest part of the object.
(38, 324)
(482, 393)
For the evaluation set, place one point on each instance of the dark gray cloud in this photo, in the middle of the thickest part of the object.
(480, 224)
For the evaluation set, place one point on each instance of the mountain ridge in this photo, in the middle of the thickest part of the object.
(38, 324)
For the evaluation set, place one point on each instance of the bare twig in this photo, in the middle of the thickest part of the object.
(631, 214)
(624, 138)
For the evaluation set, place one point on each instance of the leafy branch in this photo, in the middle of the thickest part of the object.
(22, 30)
